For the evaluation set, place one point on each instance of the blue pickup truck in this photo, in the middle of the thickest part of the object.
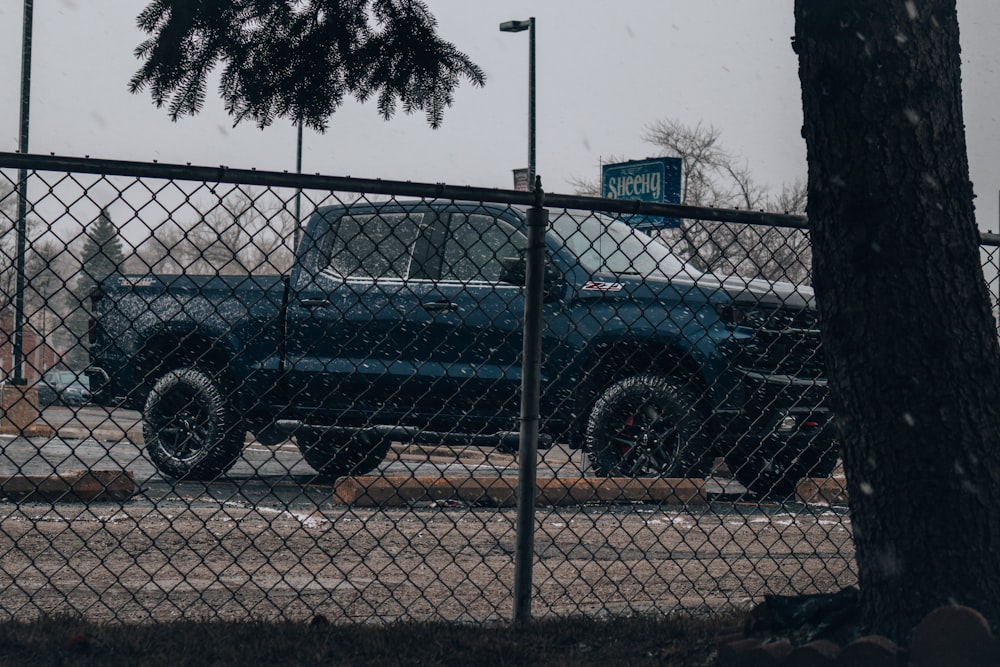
(403, 321)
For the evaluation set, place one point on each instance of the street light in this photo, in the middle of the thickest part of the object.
(523, 555)
(521, 26)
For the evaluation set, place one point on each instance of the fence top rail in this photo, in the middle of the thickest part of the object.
(225, 174)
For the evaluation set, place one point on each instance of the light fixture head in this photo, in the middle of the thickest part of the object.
(514, 26)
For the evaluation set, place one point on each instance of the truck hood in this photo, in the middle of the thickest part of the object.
(756, 290)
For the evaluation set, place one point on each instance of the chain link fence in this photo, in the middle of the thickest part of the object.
(214, 409)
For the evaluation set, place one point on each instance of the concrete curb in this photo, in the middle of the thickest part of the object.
(822, 490)
(82, 485)
(33, 431)
(374, 491)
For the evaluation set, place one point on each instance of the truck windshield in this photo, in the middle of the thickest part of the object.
(610, 246)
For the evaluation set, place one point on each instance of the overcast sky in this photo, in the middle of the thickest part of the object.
(605, 70)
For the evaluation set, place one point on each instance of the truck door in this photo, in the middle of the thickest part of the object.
(480, 333)
(357, 326)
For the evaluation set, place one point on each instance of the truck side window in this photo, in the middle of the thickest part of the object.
(476, 245)
(376, 245)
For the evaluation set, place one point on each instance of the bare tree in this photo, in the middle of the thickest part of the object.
(270, 250)
(704, 160)
(245, 231)
(8, 242)
(221, 237)
(249, 231)
(588, 188)
(711, 176)
(49, 272)
(50, 302)
(162, 252)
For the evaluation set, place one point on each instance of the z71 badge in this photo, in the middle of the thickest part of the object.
(126, 281)
(600, 286)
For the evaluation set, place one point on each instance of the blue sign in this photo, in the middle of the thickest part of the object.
(653, 180)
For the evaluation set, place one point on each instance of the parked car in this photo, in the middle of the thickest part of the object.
(403, 321)
(64, 388)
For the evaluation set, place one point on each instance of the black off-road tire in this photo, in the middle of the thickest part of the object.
(647, 426)
(190, 430)
(334, 455)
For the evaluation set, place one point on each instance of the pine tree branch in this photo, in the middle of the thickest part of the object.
(298, 59)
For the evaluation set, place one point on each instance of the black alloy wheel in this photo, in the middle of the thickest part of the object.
(190, 430)
(647, 426)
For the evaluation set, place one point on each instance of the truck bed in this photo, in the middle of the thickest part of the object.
(147, 318)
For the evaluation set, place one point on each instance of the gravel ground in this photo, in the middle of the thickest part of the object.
(230, 560)
(264, 544)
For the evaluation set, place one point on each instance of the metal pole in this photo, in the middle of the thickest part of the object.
(298, 193)
(22, 199)
(531, 371)
(531, 102)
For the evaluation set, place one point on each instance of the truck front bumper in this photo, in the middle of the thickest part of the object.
(775, 412)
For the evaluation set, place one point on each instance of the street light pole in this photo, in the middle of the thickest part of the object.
(520, 26)
(531, 358)
(531, 104)
(22, 200)
(298, 193)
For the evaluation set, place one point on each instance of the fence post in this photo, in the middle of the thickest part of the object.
(531, 369)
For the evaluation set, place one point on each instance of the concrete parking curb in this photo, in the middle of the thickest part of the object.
(81, 485)
(32, 431)
(374, 491)
(824, 490)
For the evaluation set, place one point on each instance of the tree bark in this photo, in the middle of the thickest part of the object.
(908, 330)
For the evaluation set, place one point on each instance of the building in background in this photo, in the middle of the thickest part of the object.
(39, 356)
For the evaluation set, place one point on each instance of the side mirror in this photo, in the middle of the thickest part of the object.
(515, 271)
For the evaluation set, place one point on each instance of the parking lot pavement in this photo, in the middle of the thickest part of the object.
(103, 424)
(95, 437)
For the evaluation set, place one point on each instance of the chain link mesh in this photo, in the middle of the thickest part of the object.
(213, 411)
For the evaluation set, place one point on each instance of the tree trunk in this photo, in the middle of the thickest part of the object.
(908, 330)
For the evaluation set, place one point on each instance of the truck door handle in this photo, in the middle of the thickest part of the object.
(439, 305)
(315, 303)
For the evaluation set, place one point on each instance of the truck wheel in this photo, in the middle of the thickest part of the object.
(775, 470)
(647, 426)
(190, 430)
(336, 456)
